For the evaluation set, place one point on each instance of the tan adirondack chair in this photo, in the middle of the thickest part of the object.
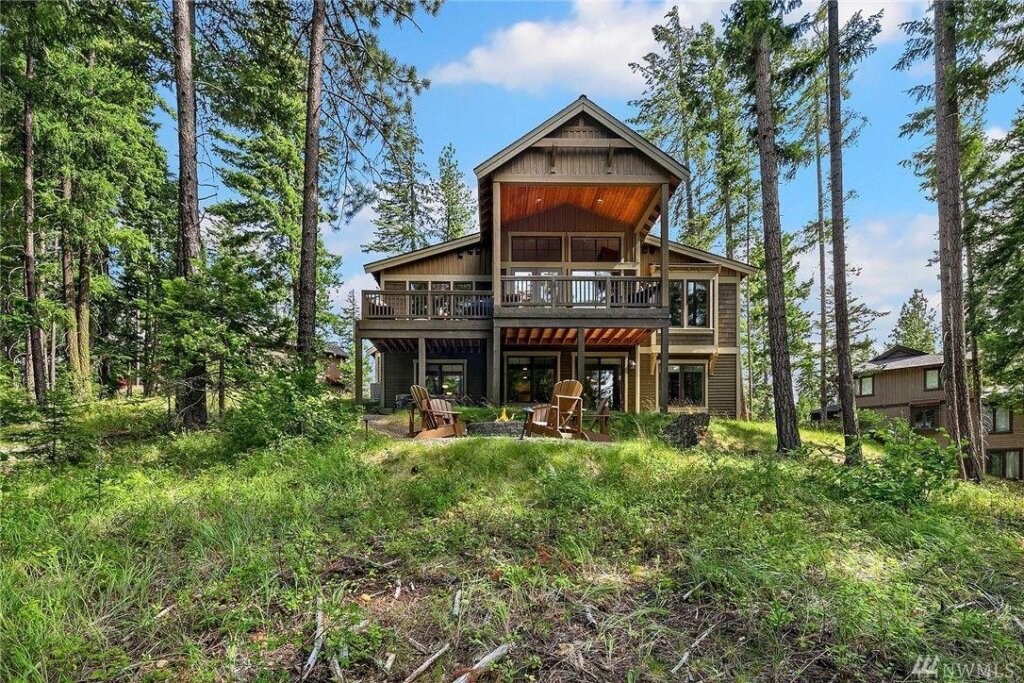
(563, 417)
(437, 420)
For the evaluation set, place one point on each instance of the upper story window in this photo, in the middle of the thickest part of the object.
(536, 249)
(596, 249)
(690, 303)
(865, 385)
(998, 420)
(932, 379)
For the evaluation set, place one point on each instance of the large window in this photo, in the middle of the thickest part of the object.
(865, 385)
(932, 379)
(690, 303)
(924, 418)
(1004, 464)
(998, 420)
(536, 249)
(444, 378)
(596, 249)
(530, 379)
(686, 384)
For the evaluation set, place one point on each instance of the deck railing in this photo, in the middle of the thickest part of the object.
(426, 304)
(580, 292)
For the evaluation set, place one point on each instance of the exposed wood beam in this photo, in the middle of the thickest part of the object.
(582, 143)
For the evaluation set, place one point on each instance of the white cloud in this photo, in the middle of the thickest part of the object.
(895, 12)
(587, 52)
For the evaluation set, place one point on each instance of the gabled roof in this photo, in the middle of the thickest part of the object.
(582, 105)
(417, 254)
(897, 351)
(702, 255)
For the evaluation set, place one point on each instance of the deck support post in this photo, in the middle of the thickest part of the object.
(357, 352)
(665, 300)
(663, 374)
(496, 244)
(421, 370)
(494, 384)
(581, 345)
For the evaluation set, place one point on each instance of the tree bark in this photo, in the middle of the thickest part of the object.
(851, 430)
(83, 312)
(311, 187)
(822, 289)
(978, 436)
(191, 394)
(34, 356)
(778, 336)
(951, 248)
(67, 271)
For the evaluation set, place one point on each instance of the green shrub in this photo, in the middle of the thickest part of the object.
(871, 421)
(913, 469)
(289, 402)
(16, 407)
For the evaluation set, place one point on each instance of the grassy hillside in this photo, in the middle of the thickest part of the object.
(177, 558)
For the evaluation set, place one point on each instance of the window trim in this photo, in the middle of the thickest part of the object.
(712, 281)
(860, 385)
(935, 420)
(688, 361)
(937, 387)
(991, 409)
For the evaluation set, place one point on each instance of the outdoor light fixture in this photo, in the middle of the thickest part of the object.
(600, 200)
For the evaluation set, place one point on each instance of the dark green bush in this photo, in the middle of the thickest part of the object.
(913, 470)
(871, 421)
(289, 402)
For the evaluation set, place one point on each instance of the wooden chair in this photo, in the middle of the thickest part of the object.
(599, 429)
(437, 420)
(563, 417)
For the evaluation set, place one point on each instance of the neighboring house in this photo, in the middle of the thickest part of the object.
(906, 384)
(578, 288)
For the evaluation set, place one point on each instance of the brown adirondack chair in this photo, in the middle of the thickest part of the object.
(437, 420)
(599, 429)
(563, 417)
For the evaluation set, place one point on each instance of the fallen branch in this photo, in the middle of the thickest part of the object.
(336, 670)
(318, 641)
(426, 665)
(456, 607)
(686, 655)
(389, 662)
(484, 663)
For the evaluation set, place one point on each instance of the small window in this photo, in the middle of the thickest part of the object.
(483, 285)
(530, 249)
(675, 302)
(596, 249)
(866, 385)
(393, 285)
(932, 379)
(998, 420)
(996, 462)
(923, 418)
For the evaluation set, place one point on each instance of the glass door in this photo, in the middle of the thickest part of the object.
(603, 379)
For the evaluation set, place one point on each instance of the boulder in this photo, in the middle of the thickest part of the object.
(687, 430)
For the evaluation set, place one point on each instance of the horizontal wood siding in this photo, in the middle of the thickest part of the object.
(728, 311)
(398, 373)
(898, 388)
(650, 258)
(470, 261)
(648, 382)
(691, 338)
(722, 387)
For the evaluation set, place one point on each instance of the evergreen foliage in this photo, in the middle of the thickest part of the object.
(916, 327)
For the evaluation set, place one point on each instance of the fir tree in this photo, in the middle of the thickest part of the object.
(456, 209)
(404, 220)
(915, 326)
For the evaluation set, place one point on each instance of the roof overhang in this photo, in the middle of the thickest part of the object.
(701, 255)
(425, 252)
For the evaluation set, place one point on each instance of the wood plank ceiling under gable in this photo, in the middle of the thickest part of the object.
(621, 203)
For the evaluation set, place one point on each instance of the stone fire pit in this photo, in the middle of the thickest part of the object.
(513, 428)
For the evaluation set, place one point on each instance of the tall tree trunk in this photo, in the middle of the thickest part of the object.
(83, 312)
(311, 186)
(851, 430)
(688, 187)
(746, 305)
(191, 394)
(978, 436)
(34, 357)
(948, 185)
(67, 271)
(822, 289)
(778, 336)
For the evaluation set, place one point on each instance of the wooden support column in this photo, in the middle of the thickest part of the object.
(357, 349)
(663, 366)
(421, 371)
(581, 345)
(494, 384)
(636, 379)
(496, 242)
(664, 245)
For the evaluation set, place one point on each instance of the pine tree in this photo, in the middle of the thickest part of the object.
(915, 327)
(454, 202)
(404, 220)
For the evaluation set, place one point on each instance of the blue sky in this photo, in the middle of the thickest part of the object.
(499, 68)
